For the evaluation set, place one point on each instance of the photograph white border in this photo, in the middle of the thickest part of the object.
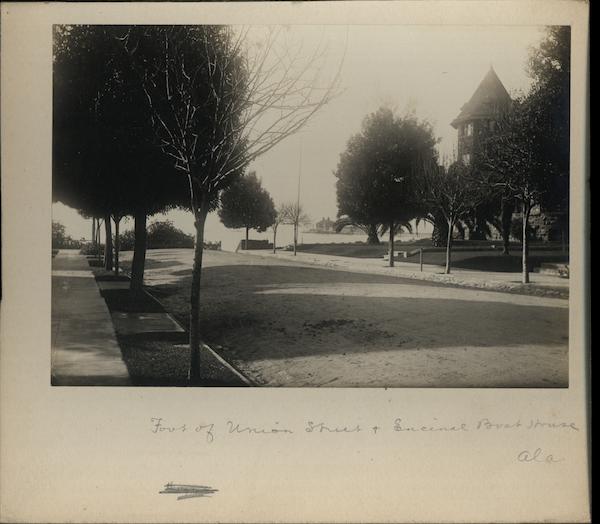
(88, 454)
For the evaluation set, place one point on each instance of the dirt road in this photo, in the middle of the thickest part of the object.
(290, 325)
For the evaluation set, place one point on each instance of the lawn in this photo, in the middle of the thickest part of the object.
(157, 358)
(475, 255)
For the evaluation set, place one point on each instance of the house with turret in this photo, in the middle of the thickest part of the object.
(476, 120)
(480, 115)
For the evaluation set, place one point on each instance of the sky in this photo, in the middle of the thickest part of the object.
(431, 70)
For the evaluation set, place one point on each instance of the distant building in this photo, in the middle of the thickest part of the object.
(479, 116)
(326, 225)
(476, 120)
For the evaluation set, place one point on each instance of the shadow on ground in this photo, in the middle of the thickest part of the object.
(258, 312)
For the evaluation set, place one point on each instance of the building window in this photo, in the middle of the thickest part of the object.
(469, 129)
(466, 158)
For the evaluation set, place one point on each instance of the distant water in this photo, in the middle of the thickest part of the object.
(230, 238)
(215, 231)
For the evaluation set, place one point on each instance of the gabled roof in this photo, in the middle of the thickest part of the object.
(488, 99)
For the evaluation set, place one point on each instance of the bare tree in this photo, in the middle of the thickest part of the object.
(217, 103)
(294, 215)
(277, 221)
(518, 163)
(450, 193)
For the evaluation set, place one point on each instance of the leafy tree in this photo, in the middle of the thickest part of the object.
(550, 68)
(294, 215)
(58, 234)
(450, 193)
(105, 163)
(60, 239)
(247, 204)
(216, 104)
(374, 174)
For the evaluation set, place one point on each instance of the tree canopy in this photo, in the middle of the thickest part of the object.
(247, 204)
(104, 159)
(374, 175)
(550, 68)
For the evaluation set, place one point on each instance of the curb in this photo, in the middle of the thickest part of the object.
(221, 360)
(229, 366)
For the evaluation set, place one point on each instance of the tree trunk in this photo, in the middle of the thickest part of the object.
(525, 256)
(295, 237)
(439, 233)
(274, 240)
(391, 245)
(449, 248)
(506, 212)
(96, 240)
(247, 235)
(108, 245)
(195, 340)
(93, 232)
(139, 252)
(372, 236)
(117, 243)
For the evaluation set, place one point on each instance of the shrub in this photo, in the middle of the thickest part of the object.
(127, 241)
(164, 235)
(60, 240)
(161, 235)
(91, 249)
(213, 246)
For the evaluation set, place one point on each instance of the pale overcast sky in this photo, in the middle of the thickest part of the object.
(432, 70)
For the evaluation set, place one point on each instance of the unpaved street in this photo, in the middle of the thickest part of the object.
(284, 324)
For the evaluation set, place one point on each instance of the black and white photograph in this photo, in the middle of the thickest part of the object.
(310, 206)
(295, 262)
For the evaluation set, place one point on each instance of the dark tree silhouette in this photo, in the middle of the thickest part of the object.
(374, 174)
(104, 161)
(247, 204)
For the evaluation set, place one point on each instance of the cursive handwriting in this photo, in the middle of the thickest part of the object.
(540, 424)
(321, 427)
(236, 428)
(211, 430)
(401, 426)
(159, 427)
(538, 456)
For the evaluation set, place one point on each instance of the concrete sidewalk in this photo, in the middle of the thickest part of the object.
(549, 285)
(85, 351)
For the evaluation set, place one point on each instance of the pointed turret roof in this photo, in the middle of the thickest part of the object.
(489, 98)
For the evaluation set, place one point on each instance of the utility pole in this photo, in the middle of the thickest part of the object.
(297, 211)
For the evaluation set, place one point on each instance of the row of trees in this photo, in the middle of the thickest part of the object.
(390, 174)
(152, 117)
(246, 204)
